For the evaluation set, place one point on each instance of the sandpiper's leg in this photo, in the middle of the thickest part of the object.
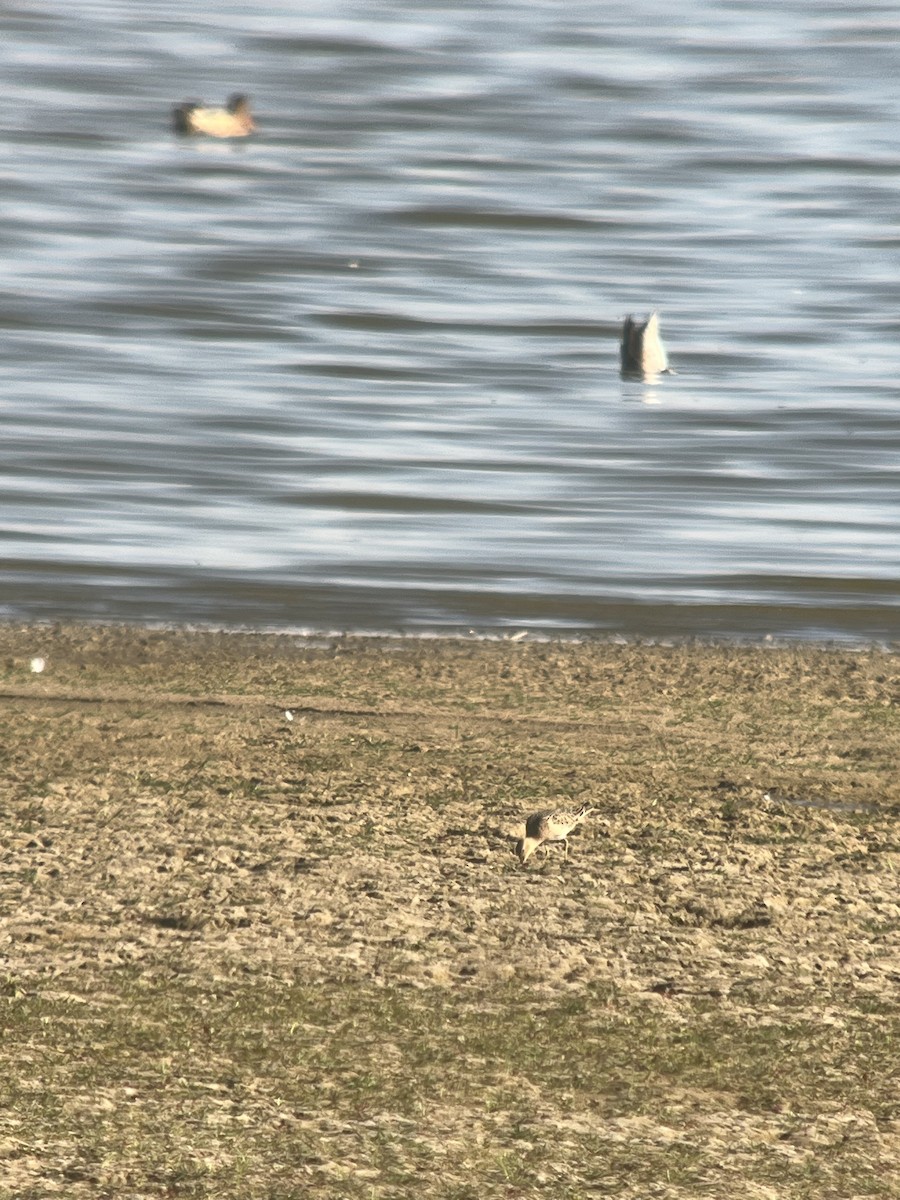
(565, 842)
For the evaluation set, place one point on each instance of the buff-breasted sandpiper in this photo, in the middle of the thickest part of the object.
(551, 825)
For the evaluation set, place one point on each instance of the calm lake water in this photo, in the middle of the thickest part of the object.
(361, 372)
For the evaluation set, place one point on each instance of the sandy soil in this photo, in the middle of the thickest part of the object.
(212, 807)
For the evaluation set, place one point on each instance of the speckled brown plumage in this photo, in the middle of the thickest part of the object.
(551, 825)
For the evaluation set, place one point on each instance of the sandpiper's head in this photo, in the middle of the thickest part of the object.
(642, 351)
(526, 846)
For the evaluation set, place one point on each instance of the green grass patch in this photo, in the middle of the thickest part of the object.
(191, 1091)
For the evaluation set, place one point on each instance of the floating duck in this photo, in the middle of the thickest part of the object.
(642, 350)
(234, 120)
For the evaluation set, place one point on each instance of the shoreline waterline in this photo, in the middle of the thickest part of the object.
(513, 634)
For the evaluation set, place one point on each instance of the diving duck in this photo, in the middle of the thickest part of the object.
(642, 350)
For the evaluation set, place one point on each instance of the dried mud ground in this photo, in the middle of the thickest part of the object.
(248, 955)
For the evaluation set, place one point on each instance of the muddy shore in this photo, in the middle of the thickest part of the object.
(263, 932)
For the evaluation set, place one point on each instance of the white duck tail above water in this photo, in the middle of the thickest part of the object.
(642, 350)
